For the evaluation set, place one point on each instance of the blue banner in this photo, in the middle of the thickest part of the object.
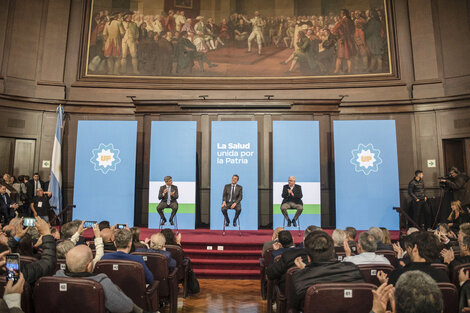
(104, 186)
(173, 153)
(296, 152)
(366, 174)
(234, 150)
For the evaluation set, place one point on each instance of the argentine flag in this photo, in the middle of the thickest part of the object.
(55, 185)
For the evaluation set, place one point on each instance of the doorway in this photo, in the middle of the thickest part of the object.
(456, 153)
(17, 156)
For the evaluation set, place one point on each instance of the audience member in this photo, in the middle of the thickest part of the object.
(351, 234)
(424, 250)
(136, 242)
(464, 257)
(378, 234)
(338, 238)
(277, 270)
(33, 271)
(386, 236)
(323, 267)
(108, 239)
(285, 243)
(366, 247)
(63, 247)
(104, 224)
(415, 292)
(269, 244)
(7, 206)
(411, 230)
(170, 238)
(123, 243)
(40, 204)
(157, 245)
(79, 262)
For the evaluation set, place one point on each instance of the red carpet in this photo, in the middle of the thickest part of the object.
(226, 257)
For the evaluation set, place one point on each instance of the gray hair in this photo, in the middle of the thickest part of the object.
(157, 241)
(122, 238)
(417, 292)
(69, 229)
(64, 247)
(310, 229)
(377, 233)
(367, 242)
(167, 178)
(338, 237)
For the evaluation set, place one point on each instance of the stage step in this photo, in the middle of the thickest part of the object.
(231, 255)
(227, 273)
(217, 264)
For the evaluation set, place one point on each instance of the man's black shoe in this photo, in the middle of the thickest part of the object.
(288, 223)
(294, 223)
(171, 223)
(234, 224)
(162, 222)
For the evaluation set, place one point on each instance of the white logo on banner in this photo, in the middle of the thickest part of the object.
(366, 159)
(105, 158)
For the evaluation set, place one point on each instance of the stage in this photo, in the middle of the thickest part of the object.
(231, 256)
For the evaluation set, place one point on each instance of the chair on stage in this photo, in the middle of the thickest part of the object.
(130, 277)
(26, 296)
(297, 221)
(175, 220)
(183, 265)
(339, 297)
(369, 272)
(390, 255)
(67, 294)
(450, 296)
(168, 286)
(238, 223)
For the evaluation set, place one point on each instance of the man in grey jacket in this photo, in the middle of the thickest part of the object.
(80, 264)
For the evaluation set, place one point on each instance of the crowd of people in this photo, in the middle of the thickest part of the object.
(410, 287)
(48, 246)
(24, 197)
(170, 43)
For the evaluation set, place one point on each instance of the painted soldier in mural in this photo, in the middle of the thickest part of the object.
(344, 30)
(112, 34)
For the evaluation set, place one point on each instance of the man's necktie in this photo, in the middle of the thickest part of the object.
(35, 187)
(232, 194)
(168, 200)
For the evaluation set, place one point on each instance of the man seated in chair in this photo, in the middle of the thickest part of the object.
(323, 268)
(464, 244)
(366, 247)
(292, 199)
(168, 194)
(123, 243)
(157, 245)
(80, 264)
(284, 244)
(231, 198)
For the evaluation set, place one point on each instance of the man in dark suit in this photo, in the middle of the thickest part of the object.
(168, 194)
(231, 198)
(7, 206)
(33, 185)
(323, 268)
(292, 199)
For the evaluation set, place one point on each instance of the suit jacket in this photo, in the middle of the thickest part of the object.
(30, 188)
(324, 272)
(237, 195)
(5, 209)
(297, 198)
(277, 270)
(164, 197)
(438, 275)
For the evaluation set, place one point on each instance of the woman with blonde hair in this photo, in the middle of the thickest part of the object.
(386, 236)
(457, 217)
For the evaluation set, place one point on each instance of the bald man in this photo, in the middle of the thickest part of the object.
(157, 245)
(292, 199)
(80, 265)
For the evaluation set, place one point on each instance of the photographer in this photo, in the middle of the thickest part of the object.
(459, 184)
(421, 212)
